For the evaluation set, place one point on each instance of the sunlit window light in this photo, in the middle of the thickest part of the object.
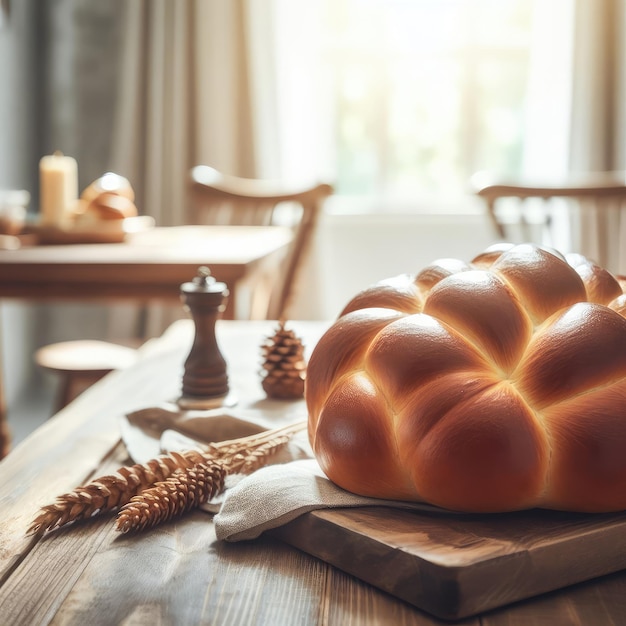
(426, 92)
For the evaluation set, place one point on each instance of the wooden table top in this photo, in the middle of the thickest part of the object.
(149, 265)
(179, 573)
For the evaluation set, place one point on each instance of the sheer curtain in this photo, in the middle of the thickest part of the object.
(577, 114)
(189, 84)
(548, 108)
(548, 125)
(598, 125)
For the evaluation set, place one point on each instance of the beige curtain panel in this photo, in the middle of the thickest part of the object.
(184, 98)
(598, 125)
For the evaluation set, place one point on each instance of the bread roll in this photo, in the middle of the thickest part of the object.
(108, 183)
(109, 206)
(488, 386)
(106, 203)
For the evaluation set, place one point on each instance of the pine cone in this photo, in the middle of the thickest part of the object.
(284, 366)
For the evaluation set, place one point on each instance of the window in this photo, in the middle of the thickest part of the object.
(425, 92)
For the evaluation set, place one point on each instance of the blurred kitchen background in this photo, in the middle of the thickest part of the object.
(397, 103)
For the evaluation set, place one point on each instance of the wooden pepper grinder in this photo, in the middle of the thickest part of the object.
(205, 380)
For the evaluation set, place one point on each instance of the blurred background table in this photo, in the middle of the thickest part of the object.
(148, 266)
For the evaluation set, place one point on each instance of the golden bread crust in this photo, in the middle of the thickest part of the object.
(488, 386)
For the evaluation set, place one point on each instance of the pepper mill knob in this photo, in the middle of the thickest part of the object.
(205, 379)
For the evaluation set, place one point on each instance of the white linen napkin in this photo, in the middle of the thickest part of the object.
(277, 494)
(149, 432)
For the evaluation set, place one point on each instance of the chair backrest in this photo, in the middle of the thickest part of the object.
(220, 199)
(603, 191)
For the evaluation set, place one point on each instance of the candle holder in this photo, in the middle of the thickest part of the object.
(205, 378)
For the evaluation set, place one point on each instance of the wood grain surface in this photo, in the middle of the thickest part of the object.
(88, 574)
(459, 565)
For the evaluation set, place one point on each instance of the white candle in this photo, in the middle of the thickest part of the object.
(58, 188)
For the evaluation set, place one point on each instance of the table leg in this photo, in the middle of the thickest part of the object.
(5, 435)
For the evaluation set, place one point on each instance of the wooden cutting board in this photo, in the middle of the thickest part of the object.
(454, 566)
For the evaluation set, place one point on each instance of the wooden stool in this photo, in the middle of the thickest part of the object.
(81, 364)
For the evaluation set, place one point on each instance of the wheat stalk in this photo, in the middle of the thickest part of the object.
(114, 491)
(230, 447)
(190, 487)
(184, 490)
(110, 492)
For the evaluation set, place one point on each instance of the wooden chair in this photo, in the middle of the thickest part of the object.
(531, 206)
(229, 200)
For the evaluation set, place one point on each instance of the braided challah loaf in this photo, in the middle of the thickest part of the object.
(490, 386)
